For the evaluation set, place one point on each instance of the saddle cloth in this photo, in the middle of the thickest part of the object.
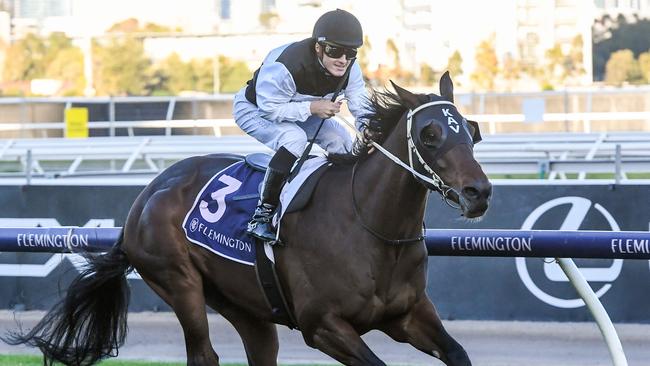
(221, 211)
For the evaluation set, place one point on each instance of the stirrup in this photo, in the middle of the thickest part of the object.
(260, 225)
(262, 231)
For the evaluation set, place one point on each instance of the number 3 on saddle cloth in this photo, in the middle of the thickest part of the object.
(224, 206)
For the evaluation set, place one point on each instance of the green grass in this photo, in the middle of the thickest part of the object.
(25, 360)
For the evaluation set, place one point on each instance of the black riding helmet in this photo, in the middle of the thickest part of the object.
(339, 27)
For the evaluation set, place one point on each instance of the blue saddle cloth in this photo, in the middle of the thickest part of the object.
(221, 211)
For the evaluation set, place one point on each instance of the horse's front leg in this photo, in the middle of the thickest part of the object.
(421, 327)
(338, 339)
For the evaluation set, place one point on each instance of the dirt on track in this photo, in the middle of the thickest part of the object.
(158, 336)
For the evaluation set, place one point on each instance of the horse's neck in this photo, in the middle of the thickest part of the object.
(390, 194)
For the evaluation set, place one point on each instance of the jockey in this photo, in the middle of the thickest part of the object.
(288, 96)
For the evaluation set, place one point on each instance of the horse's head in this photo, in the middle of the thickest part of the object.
(441, 147)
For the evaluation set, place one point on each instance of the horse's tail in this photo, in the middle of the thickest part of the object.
(89, 323)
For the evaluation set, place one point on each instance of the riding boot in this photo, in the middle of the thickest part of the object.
(279, 168)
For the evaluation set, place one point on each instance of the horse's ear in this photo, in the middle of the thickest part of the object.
(474, 131)
(409, 100)
(446, 87)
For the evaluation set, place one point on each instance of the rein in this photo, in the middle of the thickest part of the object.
(371, 230)
(434, 180)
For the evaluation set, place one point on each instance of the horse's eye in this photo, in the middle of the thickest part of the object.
(430, 138)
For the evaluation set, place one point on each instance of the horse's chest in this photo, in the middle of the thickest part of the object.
(387, 303)
(378, 309)
(395, 294)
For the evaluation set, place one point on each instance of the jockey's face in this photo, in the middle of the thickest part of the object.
(334, 65)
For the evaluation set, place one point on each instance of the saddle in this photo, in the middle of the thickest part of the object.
(297, 192)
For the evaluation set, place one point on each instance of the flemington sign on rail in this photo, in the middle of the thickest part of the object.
(55, 239)
(538, 243)
(522, 288)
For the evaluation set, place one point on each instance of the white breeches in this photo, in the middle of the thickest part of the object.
(333, 137)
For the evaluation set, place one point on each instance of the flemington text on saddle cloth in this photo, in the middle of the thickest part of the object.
(218, 218)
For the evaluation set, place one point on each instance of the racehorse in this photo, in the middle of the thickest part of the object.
(352, 260)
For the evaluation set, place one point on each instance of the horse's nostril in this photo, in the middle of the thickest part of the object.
(477, 191)
(471, 193)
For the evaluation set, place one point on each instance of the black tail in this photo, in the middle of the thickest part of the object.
(89, 324)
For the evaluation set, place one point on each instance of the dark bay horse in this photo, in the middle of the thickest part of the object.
(352, 261)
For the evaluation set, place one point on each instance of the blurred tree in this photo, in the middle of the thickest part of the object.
(618, 34)
(396, 72)
(573, 62)
(178, 75)
(173, 75)
(68, 66)
(622, 67)
(362, 55)
(54, 57)
(487, 65)
(510, 71)
(157, 81)
(269, 19)
(393, 51)
(554, 65)
(455, 64)
(25, 58)
(203, 75)
(644, 65)
(120, 67)
(157, 28)
(391, 71)
(233, 74)
(132, 25)
(428, 76)
(55, 43)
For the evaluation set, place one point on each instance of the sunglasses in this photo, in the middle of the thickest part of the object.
(337, 51)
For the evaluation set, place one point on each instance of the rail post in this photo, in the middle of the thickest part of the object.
(597, 310)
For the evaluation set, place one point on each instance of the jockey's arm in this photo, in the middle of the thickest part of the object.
(275, 89)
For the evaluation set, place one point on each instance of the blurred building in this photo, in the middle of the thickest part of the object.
(629, 8)
(38, 16)
(541, 25)
(41, 9)
(404, 33)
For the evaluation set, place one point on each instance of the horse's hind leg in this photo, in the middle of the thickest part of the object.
(422, 328)
(338, 339)
(184, 293)
(163, 261)
(260, 338)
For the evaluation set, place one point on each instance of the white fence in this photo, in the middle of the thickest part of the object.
(569, 110)
(550, 156)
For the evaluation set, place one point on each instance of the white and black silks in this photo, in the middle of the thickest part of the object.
(292, 76)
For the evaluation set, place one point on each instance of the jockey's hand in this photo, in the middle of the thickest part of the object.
(324, 108)
(370, 134)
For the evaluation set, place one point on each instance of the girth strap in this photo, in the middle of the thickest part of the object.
(268, 279)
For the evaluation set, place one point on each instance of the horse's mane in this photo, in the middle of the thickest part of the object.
(384, 112)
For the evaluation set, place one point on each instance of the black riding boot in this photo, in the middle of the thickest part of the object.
(279, 168)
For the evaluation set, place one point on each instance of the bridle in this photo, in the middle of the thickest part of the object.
(434, 181)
